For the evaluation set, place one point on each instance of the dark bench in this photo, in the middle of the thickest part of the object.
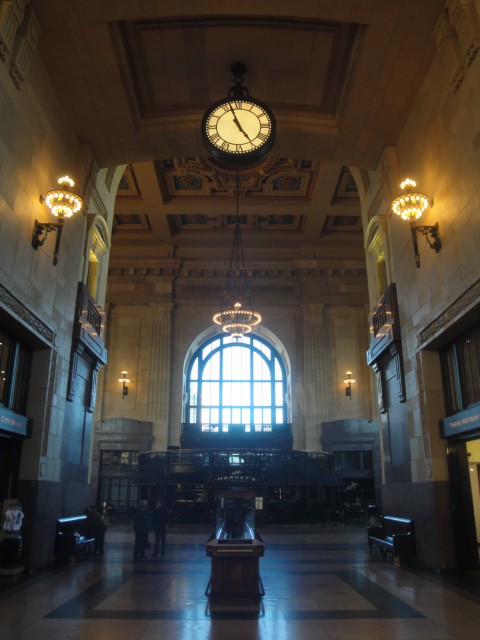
(72, 537)
(394, 535)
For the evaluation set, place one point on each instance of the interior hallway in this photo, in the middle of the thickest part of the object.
(319, 583)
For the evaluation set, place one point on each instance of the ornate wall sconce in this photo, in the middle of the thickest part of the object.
(348, 384)
(124, 380)
(410, 206)
(63, 203)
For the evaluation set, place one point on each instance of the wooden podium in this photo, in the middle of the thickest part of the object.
(235, 552)
(235, 583)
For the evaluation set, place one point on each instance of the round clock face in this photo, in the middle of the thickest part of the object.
(241, 129)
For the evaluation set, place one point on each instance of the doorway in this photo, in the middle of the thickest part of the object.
(465, 526)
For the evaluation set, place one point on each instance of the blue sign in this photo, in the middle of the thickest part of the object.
(461, 422)
(13, 422)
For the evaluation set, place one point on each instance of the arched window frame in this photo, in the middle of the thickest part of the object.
(222, 415)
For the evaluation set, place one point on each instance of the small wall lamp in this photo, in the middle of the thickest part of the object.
(124, 381)
(348, 384)
(410, 206)
(63, 203)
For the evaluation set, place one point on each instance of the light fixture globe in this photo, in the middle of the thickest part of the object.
(411, 204)
(237, 321)
(63, 202)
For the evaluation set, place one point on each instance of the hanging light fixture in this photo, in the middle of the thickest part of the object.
(237, 317)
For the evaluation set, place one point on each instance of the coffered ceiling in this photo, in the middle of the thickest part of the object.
(136, 77)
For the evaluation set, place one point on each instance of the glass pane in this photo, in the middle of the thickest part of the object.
(206, 394)
(279, 394)
(266, 350)
(236, 416)
(194, 371)
(278, 370)
(193, 416)
(279, 419)
(257, 416)
(473, 374)
(193, 393)
(240, 393)
(106, 460)
(451, 381)
(226, 416)
(215, 394)
(212, 368)
(245, 416)
(205, 415)
(260, 368)
(262, 394)
(21, 378)
(209, 348)
(5, 349)
(211, 393)
(227, 394)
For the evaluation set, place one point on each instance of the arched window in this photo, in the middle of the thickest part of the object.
(233, 382)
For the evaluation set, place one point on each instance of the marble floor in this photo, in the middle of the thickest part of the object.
(320, 583)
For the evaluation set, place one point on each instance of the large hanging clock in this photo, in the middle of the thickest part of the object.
(238, 130)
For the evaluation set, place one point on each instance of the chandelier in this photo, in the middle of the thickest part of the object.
(237, 317)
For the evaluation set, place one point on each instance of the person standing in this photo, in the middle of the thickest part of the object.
(97, 528)
(141, 527)
(159, 526)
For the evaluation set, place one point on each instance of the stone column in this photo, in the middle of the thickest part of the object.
(158, 409)
(313, 375)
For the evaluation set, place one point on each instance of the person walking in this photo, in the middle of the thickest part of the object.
(141, 527)
(159, 526)
(96, 527)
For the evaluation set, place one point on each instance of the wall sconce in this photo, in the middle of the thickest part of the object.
(348, 382)
(63, 203)
(410, 206)
(124, 381)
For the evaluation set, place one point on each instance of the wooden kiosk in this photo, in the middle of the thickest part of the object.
(235, 549)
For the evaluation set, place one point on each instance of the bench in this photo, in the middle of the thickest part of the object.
(394, 535)
(72, 537)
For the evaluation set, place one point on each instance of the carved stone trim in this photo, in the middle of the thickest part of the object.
(11, 13)
(24, 47)
(380, 387)
(26, 316)
(464, 19)
(451, 313)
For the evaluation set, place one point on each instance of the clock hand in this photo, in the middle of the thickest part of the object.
(238, 123)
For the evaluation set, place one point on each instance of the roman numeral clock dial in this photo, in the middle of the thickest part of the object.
(238, 130)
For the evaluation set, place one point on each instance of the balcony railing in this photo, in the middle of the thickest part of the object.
(249, 465)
